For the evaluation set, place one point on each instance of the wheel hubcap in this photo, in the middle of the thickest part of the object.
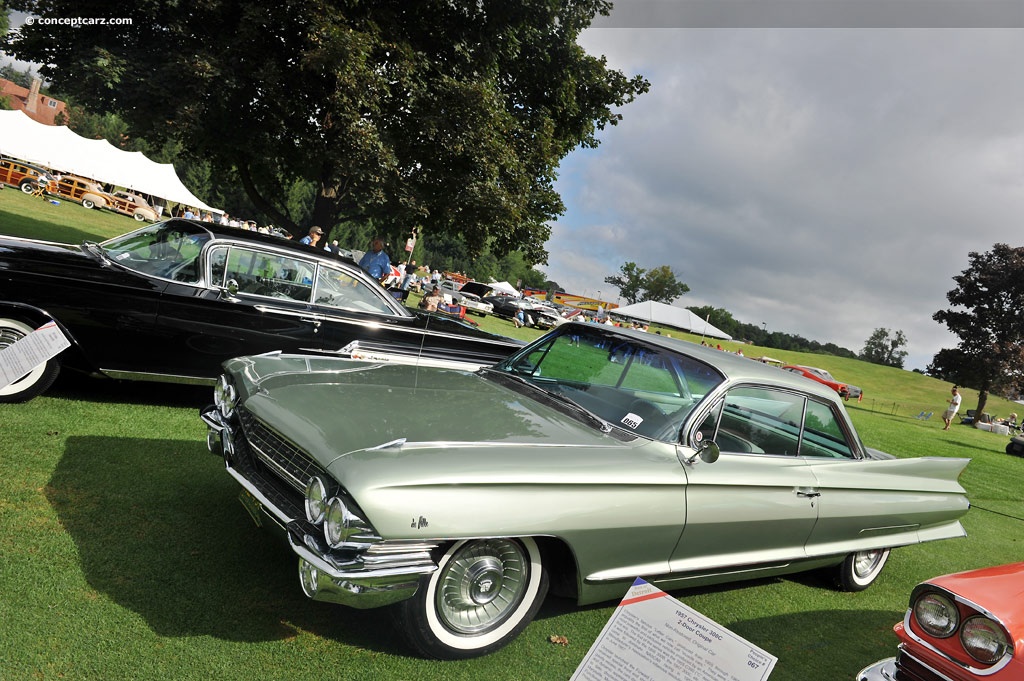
(482, 583)
(866, 562)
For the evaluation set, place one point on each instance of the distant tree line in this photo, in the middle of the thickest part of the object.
(758, 335)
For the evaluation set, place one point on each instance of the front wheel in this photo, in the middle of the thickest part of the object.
(36, 381)
(88, 204)
(859, 570)
(482, 596)
(28, 187)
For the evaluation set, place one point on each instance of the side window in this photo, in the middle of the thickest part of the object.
(760, 421)
(336, 288)
(823, 435)
(267, 274)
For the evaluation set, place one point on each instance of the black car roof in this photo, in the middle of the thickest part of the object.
(237, 233)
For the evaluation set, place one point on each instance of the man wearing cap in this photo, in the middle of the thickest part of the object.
(313, 236)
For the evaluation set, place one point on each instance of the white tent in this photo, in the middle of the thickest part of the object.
(504, 287)
(650, 311)
(58, 148)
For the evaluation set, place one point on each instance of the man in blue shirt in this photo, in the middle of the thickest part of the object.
(376, 262)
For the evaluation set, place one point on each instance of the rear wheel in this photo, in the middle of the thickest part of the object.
(482, 596)
(859, 570)
(36, 381)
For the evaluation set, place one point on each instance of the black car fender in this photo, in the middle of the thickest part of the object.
(36, 317)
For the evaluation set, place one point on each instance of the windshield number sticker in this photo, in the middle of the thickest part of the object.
(631, 420)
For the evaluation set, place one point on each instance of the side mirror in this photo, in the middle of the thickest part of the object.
(229, 289)
(707, 451)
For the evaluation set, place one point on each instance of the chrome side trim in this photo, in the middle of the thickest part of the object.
(157, 378)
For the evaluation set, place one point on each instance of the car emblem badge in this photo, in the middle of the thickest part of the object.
(418, 524)
(631, 420)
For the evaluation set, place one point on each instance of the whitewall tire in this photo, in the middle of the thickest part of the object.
(35, 381)
(483, 594)
(859, 570)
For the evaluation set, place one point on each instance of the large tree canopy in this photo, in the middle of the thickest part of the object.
(986, 315)
(451, 115)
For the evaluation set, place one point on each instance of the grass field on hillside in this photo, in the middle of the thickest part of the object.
(124, 553)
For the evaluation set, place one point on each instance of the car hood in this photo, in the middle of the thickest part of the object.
(335, 408)
(993, 589)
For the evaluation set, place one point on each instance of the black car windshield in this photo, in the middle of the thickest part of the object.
(640, 387)
(166, 249)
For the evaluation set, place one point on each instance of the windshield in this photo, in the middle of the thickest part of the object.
(166, 249)
(637, 386)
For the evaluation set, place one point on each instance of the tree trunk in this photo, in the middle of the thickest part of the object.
(982, 400)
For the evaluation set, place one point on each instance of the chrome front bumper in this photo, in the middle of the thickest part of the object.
(884, 670)
(368, 577)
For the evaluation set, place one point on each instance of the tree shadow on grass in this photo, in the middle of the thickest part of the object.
(159, 530)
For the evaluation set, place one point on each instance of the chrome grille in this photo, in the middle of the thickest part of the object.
(283, 458)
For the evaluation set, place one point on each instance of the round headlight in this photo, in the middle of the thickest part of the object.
(340, 523)
(937, 615)
(316, 500)
(225, 397)
(984, 640)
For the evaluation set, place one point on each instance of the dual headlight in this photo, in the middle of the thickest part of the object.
(340, 524)
(983, 638)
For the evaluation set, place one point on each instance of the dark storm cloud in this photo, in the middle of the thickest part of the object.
(826, 182)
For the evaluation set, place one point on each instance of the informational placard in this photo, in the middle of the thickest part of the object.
(654, 637)
(24, 355)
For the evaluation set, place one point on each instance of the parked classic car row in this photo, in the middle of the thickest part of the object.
(90, 194)
(173, 300)
(586, 459)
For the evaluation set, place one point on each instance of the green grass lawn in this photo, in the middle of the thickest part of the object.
(124, 553)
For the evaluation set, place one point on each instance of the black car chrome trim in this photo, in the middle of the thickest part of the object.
(157, 378)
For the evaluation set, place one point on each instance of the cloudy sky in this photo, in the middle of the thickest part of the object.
(823, 181)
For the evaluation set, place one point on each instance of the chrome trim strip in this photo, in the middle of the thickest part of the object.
(157, 378)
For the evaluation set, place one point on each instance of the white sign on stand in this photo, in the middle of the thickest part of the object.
(25, 354)
(654, 637)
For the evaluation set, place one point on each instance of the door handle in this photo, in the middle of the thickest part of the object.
(312, 320)
(807, 492)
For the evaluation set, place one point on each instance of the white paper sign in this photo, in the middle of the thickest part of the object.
(653, 637)
(24, 355)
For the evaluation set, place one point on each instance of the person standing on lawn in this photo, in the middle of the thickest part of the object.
(954, 407)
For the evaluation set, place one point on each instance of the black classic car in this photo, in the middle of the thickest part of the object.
(172, 301)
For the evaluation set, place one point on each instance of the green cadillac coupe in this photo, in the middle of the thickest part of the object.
(458, 496)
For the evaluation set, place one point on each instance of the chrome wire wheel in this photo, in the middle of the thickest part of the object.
(481, 585)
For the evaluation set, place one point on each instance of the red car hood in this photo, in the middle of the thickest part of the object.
(1000, 590)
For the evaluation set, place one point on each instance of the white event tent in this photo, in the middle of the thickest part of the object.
(60, 149)
(651, 311)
